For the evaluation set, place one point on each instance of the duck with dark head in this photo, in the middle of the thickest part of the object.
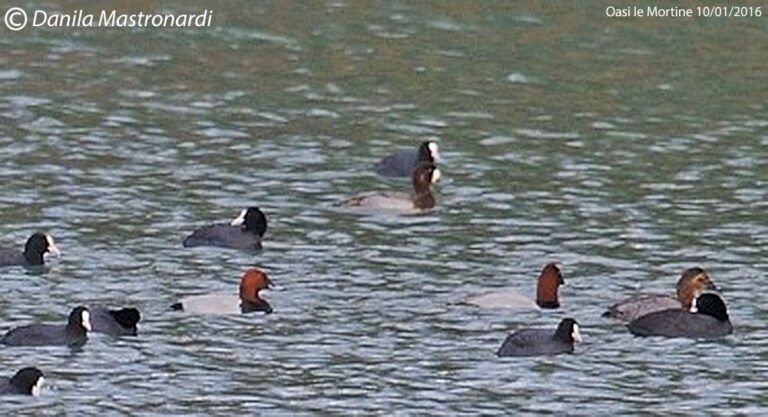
(27, 381)
(539, 342)
(74, 333)
(401, 164)
(37, 245)
(244, 232)
(116, 323)
(708, 318)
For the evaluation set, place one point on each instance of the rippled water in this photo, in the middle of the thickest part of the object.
(625, 150)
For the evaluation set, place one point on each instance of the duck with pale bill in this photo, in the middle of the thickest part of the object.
(540, 342)
(27, 381)
(401, 164)
(244, 232)
(74, 333)
(708, 318)
(37, 245)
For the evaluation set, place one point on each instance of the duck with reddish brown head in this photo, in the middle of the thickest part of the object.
(692, 283)
(423, 178)
(252, 283)
(248, 300)
(547, 294)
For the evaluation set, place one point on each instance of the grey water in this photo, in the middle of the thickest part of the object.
(626, 150)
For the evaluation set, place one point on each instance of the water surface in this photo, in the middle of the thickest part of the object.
(624, 150)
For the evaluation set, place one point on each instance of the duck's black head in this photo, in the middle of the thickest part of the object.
(28, 381)
(126, 317)
(253, 220)
(80, 319)
(568, 331)
(429, 151)
(37, 245)
(712, 305)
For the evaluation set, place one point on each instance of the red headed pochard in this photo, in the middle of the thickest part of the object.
(547, 289)
(248, 300)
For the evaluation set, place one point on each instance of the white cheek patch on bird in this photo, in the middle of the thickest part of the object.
(576, 334)
(434, 150)
(38, 387)
(86, 320)
(52, 246)
(239, 219)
